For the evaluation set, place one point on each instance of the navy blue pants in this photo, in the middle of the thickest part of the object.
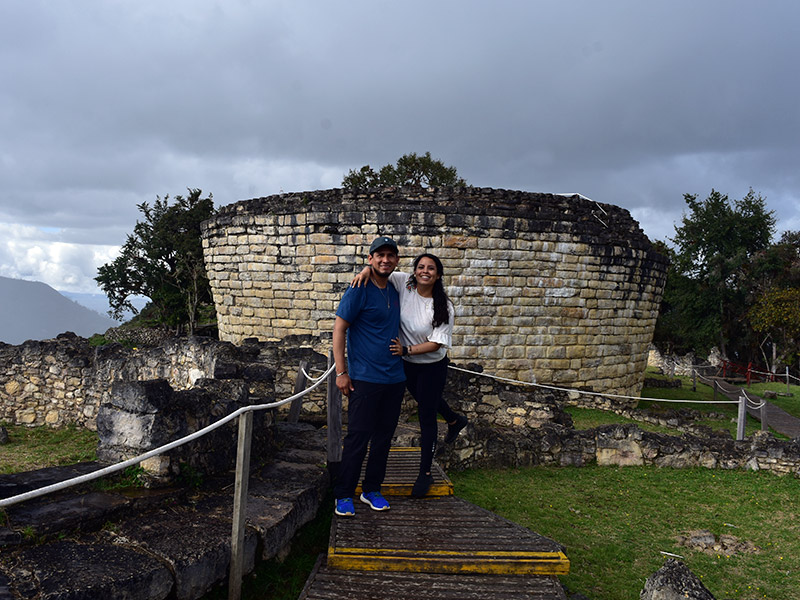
(425, 382)
(372, 413)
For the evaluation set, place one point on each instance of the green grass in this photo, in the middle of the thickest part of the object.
(615, 522)
(32, 448)
(791, 403)
(589, 418)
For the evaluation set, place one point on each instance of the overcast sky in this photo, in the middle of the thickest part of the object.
(106, 104)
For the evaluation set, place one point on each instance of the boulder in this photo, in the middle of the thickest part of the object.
(674, 581)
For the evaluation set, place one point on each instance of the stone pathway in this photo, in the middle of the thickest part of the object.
(154, 544)
(777, 418)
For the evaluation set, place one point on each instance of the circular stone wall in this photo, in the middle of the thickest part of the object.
(547, 288)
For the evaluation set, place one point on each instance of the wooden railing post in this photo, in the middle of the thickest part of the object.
(299, 386)
(334, 416)
(742, 417)
(240, 505)
(749, 372)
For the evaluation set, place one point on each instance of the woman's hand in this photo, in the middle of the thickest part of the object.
(361, 278)
(396, 347)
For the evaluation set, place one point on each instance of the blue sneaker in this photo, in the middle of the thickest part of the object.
(375, 501)
(344, 507)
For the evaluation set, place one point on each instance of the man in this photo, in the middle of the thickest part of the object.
(368, 318)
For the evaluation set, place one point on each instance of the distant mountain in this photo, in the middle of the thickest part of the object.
(99, 302)
(30, 310)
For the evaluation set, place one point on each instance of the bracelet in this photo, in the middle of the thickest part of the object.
(405, 350)
(342, 373)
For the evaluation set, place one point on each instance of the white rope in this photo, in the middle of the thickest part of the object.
(311, 379)
(601, 394)
(775, 375)
(156, 451)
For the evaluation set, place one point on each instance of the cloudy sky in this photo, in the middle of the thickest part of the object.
(105, 104)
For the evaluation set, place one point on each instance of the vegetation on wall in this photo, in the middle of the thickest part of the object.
(409, 170)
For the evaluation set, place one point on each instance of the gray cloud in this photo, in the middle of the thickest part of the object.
(106, 105)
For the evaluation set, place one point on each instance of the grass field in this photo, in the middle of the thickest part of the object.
(615, 522)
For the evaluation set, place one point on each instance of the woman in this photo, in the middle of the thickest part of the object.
(426, 327)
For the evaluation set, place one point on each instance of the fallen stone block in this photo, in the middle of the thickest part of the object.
(674, 581)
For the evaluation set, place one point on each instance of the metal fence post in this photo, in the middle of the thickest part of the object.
(240, 505)
(742, 417)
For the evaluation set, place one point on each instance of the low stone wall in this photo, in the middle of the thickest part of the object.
(616, 445)
(142, 415)
(65, 380)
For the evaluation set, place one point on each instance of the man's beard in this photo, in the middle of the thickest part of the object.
(377, 274)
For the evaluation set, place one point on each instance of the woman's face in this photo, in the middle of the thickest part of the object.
(426, 272)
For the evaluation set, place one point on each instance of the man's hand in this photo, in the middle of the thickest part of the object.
(344, 384)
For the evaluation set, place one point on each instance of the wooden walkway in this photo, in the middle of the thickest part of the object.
(438, 547)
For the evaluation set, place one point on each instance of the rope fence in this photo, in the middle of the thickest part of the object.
(743, 402)
(68, 483)
(588, 393)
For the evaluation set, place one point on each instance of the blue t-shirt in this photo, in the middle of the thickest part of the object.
(374, 317)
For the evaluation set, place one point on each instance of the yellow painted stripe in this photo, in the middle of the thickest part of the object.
(557, 566)
(449, 553)
(404, 489)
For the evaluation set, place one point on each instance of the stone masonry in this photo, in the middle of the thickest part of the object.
(65, 380)
(547, 288)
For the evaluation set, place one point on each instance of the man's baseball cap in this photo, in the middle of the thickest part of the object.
(381, 242)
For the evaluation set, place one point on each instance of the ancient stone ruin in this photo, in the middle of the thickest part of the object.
(547, 288)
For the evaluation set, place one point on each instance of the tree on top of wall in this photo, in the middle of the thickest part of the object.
(410, 169)
(163, 260)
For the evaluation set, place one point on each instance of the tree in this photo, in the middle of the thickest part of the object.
(409, 170)
(163, 260)
(707, 287)
(775, 313)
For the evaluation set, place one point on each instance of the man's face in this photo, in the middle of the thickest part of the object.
(383, 261)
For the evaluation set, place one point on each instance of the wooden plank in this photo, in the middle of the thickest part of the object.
(331, 584)
(440, 535)
(401, 473)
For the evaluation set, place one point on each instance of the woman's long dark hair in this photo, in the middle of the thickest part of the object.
(441, 310)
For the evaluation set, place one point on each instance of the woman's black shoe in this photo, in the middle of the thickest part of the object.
(454, 429)
(422, 485)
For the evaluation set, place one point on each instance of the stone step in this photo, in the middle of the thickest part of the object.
(174, 543)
